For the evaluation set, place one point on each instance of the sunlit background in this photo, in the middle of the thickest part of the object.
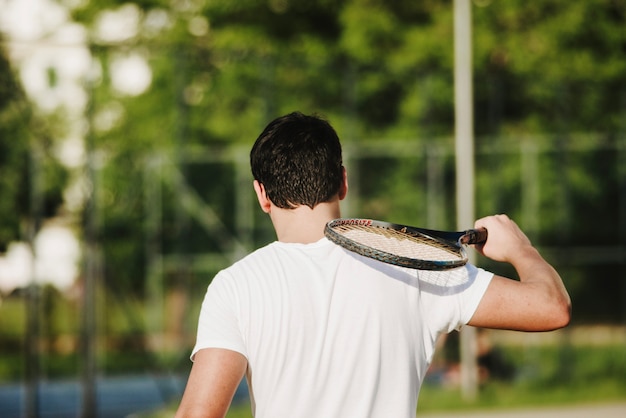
(125, 128)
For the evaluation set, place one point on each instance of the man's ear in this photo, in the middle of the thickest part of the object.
(261, 195)
(343, 190)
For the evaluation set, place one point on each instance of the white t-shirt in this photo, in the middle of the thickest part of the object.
(328, 333)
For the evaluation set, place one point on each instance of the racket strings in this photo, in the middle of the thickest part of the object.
(399, 243)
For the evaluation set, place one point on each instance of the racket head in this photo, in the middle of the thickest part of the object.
(396, 244)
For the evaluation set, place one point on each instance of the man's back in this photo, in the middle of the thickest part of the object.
(321, 332)
(328, 333)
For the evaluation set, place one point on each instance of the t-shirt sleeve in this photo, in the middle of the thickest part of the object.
(450, 306)
(480, 282)
(218, 326)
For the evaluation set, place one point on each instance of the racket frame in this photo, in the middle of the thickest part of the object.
(452, 242)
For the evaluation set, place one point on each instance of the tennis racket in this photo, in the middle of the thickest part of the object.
(401, 245)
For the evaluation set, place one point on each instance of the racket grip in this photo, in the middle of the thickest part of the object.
(474, 236)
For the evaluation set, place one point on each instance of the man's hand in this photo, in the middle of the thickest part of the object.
(505, 241)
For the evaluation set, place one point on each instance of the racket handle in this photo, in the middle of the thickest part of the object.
(474, 236)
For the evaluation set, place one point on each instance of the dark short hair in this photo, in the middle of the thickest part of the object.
(298, 160)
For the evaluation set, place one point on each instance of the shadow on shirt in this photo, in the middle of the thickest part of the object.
(441, 283)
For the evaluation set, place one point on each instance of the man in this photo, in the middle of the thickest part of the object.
(321, 332)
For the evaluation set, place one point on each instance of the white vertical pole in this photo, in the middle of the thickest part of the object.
(464, 140)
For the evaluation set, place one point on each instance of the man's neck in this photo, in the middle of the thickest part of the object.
(303, 225)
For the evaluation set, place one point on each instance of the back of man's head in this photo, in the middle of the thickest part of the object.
(298, 160)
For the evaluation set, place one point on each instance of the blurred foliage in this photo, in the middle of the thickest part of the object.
(380, 71)
(14, 155)
(546, 74)
(31, 179)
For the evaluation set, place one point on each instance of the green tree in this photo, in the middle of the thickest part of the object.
(380, 71)
(31, 179)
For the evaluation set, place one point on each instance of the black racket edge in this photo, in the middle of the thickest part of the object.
(467, 237)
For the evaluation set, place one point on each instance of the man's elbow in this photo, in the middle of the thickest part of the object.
(560, 316)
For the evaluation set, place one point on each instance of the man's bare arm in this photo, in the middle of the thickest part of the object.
(214, 378)
(538, 301)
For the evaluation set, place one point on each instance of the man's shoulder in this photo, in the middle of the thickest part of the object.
(252, 260)
(279, 256)
(260, 253)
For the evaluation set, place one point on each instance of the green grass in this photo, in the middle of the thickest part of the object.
(550, 375)
(506, 395)
(495, 396)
